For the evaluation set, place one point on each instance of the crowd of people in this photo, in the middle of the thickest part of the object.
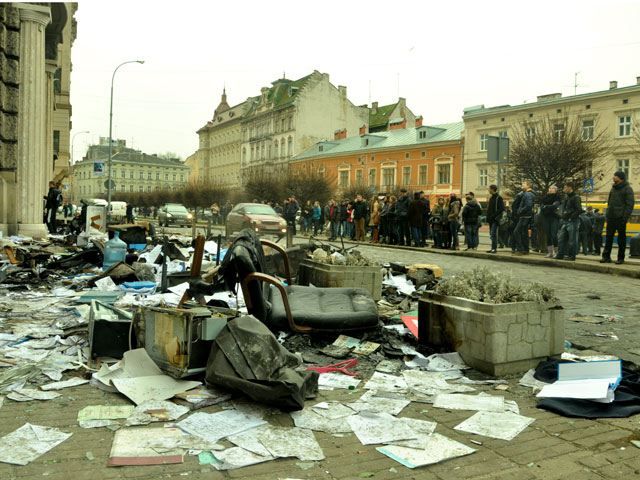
(554, 223)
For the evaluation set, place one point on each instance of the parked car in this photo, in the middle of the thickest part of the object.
(262, 218)
(174, 214)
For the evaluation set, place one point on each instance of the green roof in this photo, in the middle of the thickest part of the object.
(381, 117)
(404, 137)
(282, 93)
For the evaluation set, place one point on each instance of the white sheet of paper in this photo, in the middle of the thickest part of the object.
(594, 389)
(291, 442)
(72, 382)
(372, 428)
(152, 387)
(106, 284)
(236, 457)
(28, 442)
(248, 440)
(387, 383)
(501, 425)
(380, 402)
(454, 401)
(337, 380)
(180, 289)
(439, 448)
(216, 426)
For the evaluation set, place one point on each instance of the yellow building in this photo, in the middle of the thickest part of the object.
(616, 111)
(132, 171)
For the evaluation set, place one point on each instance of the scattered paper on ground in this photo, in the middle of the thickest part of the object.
(423, 430)
(439, 448)
(95, 416)
(146, 446)
(501, 425)
(330, 419)
(374, 401)
(454, 401)
(372, 428)
(387, 383)
(528, 380)
(216, 426)
(359, 348)
(72, 382)
(202, 396)
(337, 380)
(236, 457)
(29, 394)
(291, 442)
(156, 411)
(29, 442)
(249, 441)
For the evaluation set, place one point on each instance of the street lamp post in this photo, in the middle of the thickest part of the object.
(111, 139)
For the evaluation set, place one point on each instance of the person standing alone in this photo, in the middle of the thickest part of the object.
(619, 209)
(525, 213)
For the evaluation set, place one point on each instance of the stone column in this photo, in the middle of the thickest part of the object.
(32, 172)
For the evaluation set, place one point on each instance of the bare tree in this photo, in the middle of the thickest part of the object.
(552, 150)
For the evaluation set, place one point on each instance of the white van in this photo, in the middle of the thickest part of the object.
(119, 210)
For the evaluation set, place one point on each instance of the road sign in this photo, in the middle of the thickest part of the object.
(588, 185)
(498, 149)
(113, 184)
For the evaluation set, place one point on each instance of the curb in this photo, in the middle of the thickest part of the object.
(631, 271)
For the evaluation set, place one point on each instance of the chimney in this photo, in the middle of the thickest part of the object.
(363, 130)
(419, 121)
(340, 134)
(343, 90)
(613, 84)
(374, 107)
(398, 125)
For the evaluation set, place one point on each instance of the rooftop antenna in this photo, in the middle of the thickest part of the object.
(575, 83)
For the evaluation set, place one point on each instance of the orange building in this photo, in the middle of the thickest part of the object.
(424, 158)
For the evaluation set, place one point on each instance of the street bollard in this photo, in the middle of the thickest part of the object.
(289, 237)
(208, 227)
(634, 246)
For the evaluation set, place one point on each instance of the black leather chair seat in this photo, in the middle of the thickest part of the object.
(324, 308)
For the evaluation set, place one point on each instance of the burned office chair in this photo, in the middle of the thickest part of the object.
(299, 308)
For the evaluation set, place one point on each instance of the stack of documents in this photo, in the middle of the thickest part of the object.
(595, 381)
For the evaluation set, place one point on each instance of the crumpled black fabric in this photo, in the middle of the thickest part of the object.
(626, 401)
(246, 357)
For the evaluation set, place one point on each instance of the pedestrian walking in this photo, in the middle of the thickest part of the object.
(470, 218)
(416, 217)
(549, 206)
(570, 210)
(525, 214)
(454, 220)
(495, 214)
(619, 209)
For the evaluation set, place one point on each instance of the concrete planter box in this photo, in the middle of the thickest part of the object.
(498, 339)
(324, 275)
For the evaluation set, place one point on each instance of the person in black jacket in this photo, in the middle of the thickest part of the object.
(551, 219)
(570, 211)
(525, 214)
(619, 209)
(470, 218)
(495, 213)
(416, 218)
(402, 216)
(598, 227)
(53, 201)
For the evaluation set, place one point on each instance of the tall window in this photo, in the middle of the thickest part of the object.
(388, 177)
(166, 176)
(149, 188)
(502, 134)
(359, 177)
(343, 179)
(289, 145)
(276, 147)
(157, 175)
(131, 188)
(623, 165)
(141, 174)
(131, 175)
(530, 132)
(624, 125)
(372, 177)
(422, 175)
(444, 173)
(182, 177)
(148, 175)
(174, 177)
(587, 129)
(282, 147)
(558, 131)
(123, 174)
(140, 189)
(291, 123)
(483, 175)
(406, 175)
(56, 141)
(483, 141)
(244, 154)
(282, 125)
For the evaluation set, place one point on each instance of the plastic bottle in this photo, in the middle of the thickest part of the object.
(115, 250)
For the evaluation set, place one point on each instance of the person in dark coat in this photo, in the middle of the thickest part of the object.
(549, 206)
(454, 220)
(619, 209)
(129, 213)
(437, 218)
(53, 201)
(359, 217)
(416, 218)
(426, 225)
(598, 227)
(402, 217)
(291, 208)
(525, 215)
(586, 231)
(495, 212)
(471, 218)
(570, 209)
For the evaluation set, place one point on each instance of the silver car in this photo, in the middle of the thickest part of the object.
(174, 214)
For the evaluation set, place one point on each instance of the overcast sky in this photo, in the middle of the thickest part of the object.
(440, 56)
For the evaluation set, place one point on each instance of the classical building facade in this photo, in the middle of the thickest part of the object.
(421, 158)
(132, 171)
(35, 48)
(291, 116)
(615, 111)
(218, 157)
